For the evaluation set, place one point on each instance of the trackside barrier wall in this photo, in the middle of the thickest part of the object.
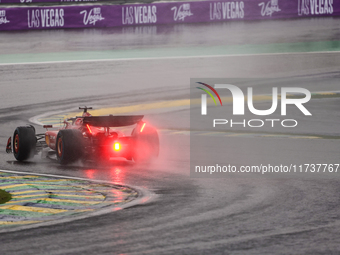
(55, 1)
(81, 16)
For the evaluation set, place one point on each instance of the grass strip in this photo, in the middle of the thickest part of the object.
(4, 196)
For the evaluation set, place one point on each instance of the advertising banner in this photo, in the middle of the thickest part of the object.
(81, 16)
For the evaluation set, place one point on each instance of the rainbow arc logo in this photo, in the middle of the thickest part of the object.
(204, 97)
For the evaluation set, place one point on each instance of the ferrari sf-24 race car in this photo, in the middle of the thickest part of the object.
(88, 137)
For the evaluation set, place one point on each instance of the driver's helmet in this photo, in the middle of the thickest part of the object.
(86, 114)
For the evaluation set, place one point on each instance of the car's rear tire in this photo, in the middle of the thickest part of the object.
(24, 143)
(146, 145)
(69, 146)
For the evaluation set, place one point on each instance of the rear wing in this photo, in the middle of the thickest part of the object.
(112, 121)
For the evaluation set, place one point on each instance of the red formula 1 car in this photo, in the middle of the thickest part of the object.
(88, 137)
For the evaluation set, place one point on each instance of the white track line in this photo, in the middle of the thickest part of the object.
(165, 58)
(34, 119)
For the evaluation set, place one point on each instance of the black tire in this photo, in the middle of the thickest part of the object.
(69, 146)
(24, 143)
(146, 145)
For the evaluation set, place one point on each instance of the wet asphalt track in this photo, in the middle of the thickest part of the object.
(234, 215)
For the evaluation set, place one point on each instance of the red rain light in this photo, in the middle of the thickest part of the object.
(116, 146)
(141, 130)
